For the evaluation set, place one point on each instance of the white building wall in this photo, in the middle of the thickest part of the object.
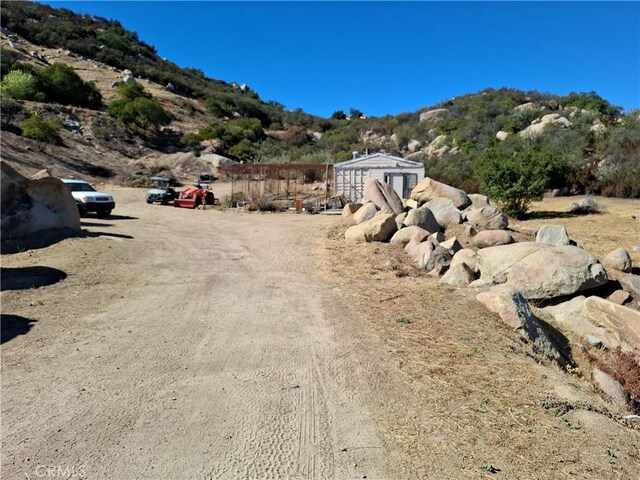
(350, 178)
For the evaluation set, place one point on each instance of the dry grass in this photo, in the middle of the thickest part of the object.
(598, 233)
(479, 394)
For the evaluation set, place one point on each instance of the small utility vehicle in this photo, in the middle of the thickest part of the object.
(162, 190)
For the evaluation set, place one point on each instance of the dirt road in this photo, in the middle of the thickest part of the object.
(180, 344)
(183, 344)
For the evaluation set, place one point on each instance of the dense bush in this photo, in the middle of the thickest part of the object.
(63, 85)
(516, 173)
(19, 85)
(135, 107)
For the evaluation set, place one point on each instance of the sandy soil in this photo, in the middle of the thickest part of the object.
(207, 344)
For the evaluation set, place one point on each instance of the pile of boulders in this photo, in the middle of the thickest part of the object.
(464, 240)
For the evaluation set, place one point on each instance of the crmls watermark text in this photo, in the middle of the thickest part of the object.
(57, 471)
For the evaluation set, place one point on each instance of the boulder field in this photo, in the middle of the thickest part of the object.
(465, 240)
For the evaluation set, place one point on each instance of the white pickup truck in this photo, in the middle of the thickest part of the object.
(88, 199)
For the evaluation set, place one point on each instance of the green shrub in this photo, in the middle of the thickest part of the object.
(516, 173)
(19, 85)
(131, 91)
(43, 131)
(63, 85)
(244, 152)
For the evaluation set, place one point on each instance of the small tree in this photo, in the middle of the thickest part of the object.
(515, 174)
(338, 115)
(43, 131)
(19, 85)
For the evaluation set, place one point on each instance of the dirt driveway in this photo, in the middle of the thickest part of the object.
(184, 344)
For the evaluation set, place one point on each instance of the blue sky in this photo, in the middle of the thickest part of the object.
(392, 57)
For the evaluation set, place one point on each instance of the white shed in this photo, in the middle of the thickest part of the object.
(401, 174)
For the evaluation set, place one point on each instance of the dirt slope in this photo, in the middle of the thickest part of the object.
(104, 148)
(204, 344)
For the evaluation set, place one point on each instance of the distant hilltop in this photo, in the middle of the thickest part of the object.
(130, 114)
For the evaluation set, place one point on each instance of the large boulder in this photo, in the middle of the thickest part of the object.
(492, 238)
(383, 196)
(539, 270)
(478, 201)
(348, 211)
(468, 257)
(514, 310)
(631, 284)
(418, 249)
(619, 260)
(553, 235)
(30, 206)
(445, 211)
(422, 217)
(459, 275)
(613, 325)
(487, 218)
(365, 212)
(429, 189)
(428, 115)
(405, 235)
(378, 229)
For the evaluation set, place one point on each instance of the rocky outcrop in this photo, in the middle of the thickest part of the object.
(541, 271)
(537, 126)
(31, 206)
(428, 115)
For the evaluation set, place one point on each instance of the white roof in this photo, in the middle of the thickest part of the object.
(399, 160)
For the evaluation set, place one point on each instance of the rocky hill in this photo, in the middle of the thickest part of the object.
(590, 145)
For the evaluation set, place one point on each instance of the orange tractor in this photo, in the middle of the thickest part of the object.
(194, 197)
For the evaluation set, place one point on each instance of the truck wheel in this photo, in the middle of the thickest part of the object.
(104, 212)
(82, 210)
(149, 202)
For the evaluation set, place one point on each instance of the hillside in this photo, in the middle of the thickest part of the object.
(591, 146)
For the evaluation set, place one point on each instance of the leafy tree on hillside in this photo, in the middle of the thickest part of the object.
(516, 173)
(338, 115)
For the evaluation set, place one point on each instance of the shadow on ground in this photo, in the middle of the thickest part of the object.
(13, 325)
(42, 239)
(95, 224)
(29, 277)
